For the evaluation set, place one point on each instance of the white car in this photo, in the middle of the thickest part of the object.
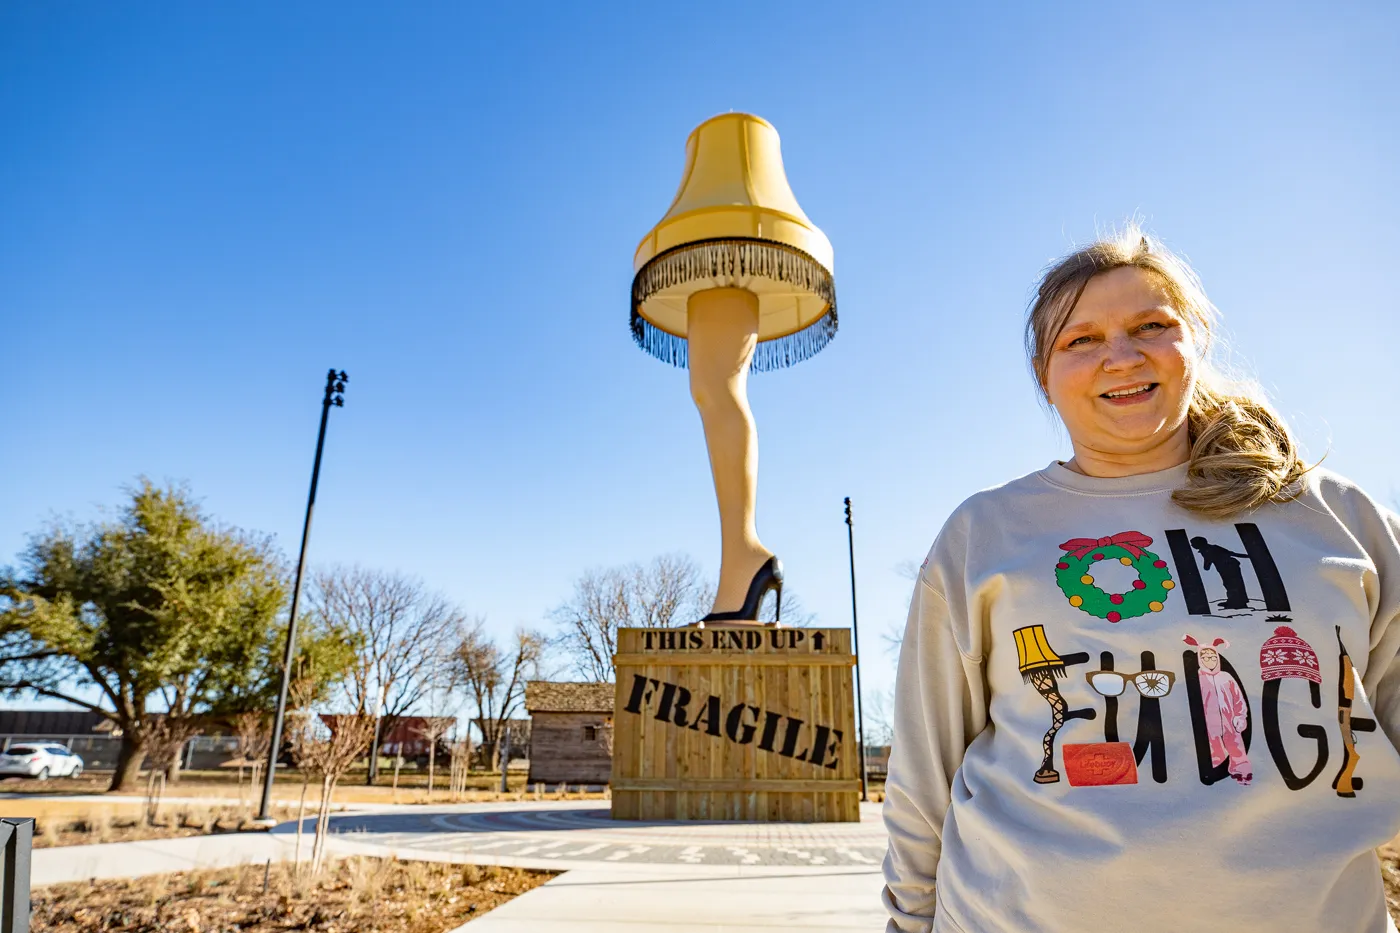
(40, 760)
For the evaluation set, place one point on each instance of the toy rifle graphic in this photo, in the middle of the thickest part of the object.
(1345, 783)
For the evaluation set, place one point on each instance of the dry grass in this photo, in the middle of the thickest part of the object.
(358, 894)
(480, 787)
(87, 784)
(101, 824)
(203, 803)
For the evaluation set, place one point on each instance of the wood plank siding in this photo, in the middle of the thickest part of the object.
(570, 732)
(735, 724)
(570, 748)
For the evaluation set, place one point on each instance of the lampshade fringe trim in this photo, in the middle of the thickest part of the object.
(727, 258)
(1056, 670)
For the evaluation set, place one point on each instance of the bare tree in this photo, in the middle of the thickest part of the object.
(398, 763)
(301, 694)
(325, 747)
(254, 732)
(795, 614)
(401, 630)
(459, 747)
(165, 738)
(893, 635)
(431, 731)
(495, 679)
(879, 717)
(666, 592)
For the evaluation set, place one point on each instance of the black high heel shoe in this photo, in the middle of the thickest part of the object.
(768, 577)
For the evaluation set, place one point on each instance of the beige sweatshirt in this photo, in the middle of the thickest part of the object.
(1112, 714)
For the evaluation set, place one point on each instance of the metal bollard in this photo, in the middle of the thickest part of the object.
(17, 836)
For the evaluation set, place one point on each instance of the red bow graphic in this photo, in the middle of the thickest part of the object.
(1131, 541)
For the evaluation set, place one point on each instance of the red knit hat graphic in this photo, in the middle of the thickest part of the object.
(1285, 654)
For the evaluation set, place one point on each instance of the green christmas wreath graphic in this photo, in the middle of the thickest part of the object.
(1149, 592)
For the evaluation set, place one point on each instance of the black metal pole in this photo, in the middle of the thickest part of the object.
(18, 842)
(372, 772)
(335, 389)
(855, 636)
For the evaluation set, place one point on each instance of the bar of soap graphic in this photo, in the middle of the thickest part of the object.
(1099, 763)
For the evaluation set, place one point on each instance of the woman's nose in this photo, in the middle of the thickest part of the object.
(1122, 353)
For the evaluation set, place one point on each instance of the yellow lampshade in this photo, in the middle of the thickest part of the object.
(735, 223)
(1033, 652)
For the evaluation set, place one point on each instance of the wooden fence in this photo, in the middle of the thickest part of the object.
(735, 723)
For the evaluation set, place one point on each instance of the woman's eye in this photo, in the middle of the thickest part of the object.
(1077, 342)
(1154, 325)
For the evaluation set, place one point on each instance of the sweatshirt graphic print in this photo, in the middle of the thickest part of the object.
(1113, 714)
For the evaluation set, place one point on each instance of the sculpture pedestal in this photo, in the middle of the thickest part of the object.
(735, 723)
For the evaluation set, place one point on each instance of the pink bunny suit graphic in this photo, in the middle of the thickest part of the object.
(1226, 719)
(1226, 715)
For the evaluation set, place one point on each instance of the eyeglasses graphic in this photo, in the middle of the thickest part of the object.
(1148, 683)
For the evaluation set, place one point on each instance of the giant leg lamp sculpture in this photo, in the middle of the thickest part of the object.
(734, 278)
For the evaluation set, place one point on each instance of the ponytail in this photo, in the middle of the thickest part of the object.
(1242, 455)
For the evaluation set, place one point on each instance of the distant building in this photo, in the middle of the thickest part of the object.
(88, 734)
(406, 735)
(53, 723)
(571, 732)
(517, 730)
(409, 735)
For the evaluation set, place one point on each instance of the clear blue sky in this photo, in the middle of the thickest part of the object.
(204, 206)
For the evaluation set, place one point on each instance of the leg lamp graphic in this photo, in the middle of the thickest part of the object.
(1040, 666)
(734, 278)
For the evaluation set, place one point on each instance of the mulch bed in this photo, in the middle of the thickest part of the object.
(354, 895)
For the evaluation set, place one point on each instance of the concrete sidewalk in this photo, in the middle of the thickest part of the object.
(573, 835)
(592, 899)
(623, 876)
(595, 901)
(158, 856)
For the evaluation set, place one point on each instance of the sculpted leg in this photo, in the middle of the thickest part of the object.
(723, 333)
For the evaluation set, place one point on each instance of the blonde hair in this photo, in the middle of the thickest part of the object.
(1242, 452)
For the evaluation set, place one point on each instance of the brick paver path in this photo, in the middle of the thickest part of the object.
(573, 832)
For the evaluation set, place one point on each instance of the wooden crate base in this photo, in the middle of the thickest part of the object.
(735, 723)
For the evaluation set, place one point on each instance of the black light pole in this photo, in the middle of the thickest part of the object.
(335, 395)
(855, 635)
(372, 772)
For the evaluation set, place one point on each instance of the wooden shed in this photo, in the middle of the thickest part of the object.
(570, 732)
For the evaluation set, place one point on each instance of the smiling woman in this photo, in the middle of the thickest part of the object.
(1119, 338)
(1002, 817)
